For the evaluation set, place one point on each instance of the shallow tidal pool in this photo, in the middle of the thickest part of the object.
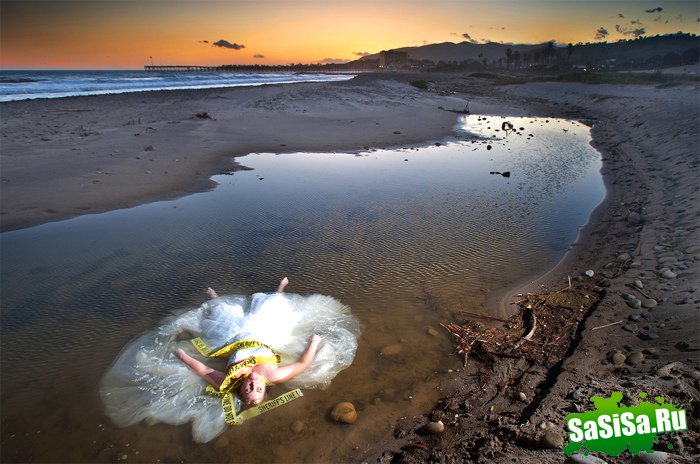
(407, 238)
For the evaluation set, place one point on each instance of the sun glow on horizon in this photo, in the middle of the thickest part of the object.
(129, 34)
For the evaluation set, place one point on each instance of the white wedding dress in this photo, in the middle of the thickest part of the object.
(148, 383)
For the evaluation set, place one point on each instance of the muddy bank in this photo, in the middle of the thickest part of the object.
(619, 313)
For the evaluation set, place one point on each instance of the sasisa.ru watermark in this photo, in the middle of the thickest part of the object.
(612, 428)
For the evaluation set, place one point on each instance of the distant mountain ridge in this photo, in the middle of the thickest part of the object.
(643, 50)
(450, 51)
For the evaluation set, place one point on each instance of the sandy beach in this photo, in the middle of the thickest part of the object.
(71, 156)
(66, 157)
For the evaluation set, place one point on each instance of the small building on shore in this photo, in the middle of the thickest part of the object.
(392, 59)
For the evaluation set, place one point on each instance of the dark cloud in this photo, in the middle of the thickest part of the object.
(333, 61)
(601, 33)
(226, 44)
(204, 41)
(637, 32)
(361, 53)
(257, 55)
(658, 9)
(469, 38)
(636, 21)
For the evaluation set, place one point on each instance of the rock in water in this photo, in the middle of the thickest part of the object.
(344, 412)
(297, 426)
(391, 350)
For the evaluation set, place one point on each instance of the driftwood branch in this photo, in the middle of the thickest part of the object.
(608, 325)
(529, 334)
(483, 316)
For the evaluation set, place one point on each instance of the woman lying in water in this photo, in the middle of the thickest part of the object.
(170, 374)
(257, 376)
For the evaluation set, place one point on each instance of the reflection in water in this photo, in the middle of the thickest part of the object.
(406, 238)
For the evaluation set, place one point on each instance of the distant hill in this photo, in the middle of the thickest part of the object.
(449, 51)
(662, 50)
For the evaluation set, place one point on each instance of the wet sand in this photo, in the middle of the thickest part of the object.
(108, 152)
(65, 157)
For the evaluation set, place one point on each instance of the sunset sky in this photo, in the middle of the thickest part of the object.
(125, 34)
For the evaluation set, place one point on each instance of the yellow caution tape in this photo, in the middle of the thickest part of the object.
(234, 379)
(226, 351)
(232, 418)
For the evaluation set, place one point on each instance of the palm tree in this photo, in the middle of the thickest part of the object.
(550, 52)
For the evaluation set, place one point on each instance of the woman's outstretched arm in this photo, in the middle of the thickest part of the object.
(285, 373)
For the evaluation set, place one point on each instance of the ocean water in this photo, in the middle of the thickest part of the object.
(23, 85)
(407, 238)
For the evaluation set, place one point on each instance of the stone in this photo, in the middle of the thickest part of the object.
(649, 303)
(344, 412)
(630, 327)
(634, 218)
(638, 283)
(628, 296)
(692, 250)
(648, 335)
(392, 350)
(634, 304)
(668, 274)
(522, 396)
(635, 317)
(432, 331)
(665, 371)
(624, 257)
(553, 440)
(657, 457)
(589, 273)
(634, 358)
(297, 426)
(431, 428)
(618, 358)
(580, 458)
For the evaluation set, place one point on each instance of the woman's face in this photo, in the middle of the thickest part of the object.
(252, 390)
